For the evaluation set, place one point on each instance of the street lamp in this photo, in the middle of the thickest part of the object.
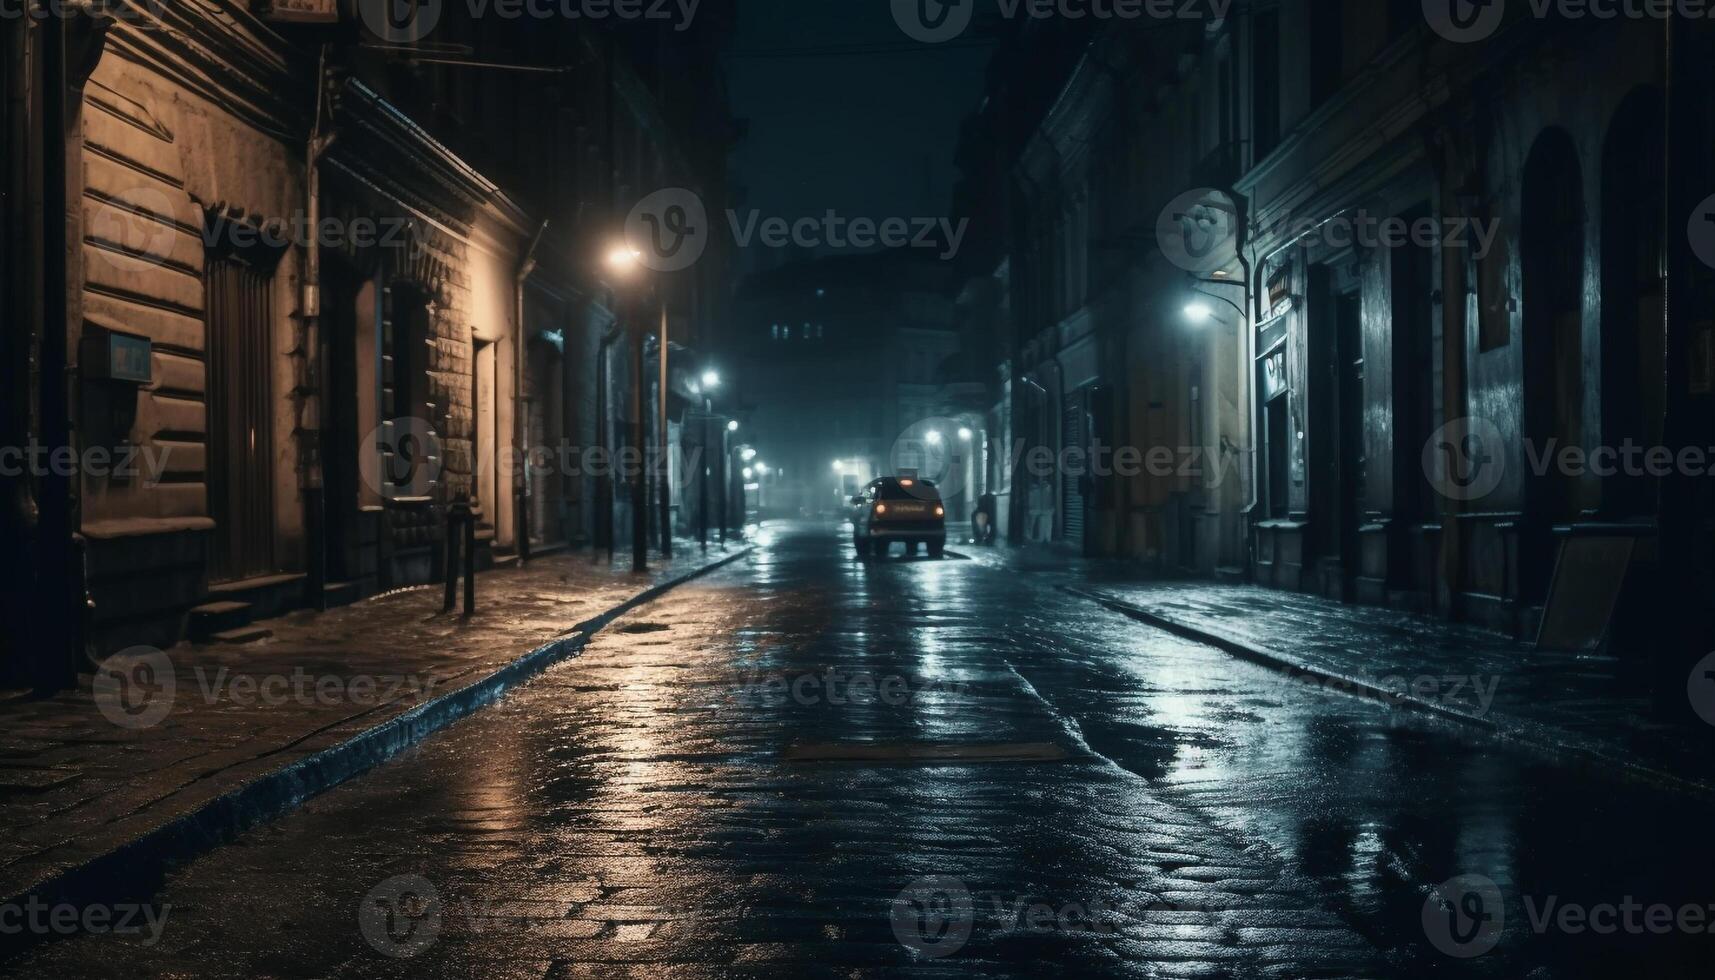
(732, 425)
(964, 434)
(625, 263)
(710, 381)
(934, 437)
(624, 260)
(1198, 312)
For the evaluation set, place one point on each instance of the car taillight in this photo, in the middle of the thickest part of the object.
(881, 508)
(940, 512)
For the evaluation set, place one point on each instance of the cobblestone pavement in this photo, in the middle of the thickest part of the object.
(1581, 702)
(79, 775)
(810, 765)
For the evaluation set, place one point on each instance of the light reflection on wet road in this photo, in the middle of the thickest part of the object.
(750, 775)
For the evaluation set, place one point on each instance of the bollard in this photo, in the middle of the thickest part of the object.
(461, 535)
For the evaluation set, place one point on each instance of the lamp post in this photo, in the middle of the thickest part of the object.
(624, 262)
(711, 381)
(726, 488)
(664, 467)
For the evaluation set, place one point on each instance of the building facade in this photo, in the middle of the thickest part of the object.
(1356, 287)
(314, 297)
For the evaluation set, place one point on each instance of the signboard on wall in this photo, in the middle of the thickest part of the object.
(300, 11)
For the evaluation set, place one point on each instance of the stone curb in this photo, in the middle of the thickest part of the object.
(135, 869)
(1541, 739)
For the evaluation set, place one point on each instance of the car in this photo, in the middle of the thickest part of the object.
(899, 509)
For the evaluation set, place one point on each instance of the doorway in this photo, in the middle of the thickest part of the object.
(1336, 452)
(240, 435)
(486, 457)
(1552, 263)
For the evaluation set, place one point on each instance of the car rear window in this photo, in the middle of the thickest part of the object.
(898, 490)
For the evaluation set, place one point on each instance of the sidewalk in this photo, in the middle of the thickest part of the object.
(171, 752)
(1582, 708)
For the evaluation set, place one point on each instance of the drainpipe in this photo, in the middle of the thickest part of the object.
(521, 406)
(313, 485)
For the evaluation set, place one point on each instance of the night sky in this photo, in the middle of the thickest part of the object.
(845, 111)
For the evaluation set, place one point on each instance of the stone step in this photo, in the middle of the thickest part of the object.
(341, 593)
(219, 616)
(241, 635)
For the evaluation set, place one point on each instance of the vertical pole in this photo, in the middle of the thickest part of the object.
(639, 498)
(664, 465)
(703, 477)
(723, 486)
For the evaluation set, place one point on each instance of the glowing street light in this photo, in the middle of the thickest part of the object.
(839, 467)
(934, 437)
(1198, 312)
(711, 379)
(624, 260)
(748, 473)
(964, 434)
(732, 425)
(762, 467)
(747, 453)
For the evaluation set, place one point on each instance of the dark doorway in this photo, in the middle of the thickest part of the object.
(1633, 204)
(1336, 448)
(544, 364)
(240, 437)
(1552, 261)
(340, 424)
